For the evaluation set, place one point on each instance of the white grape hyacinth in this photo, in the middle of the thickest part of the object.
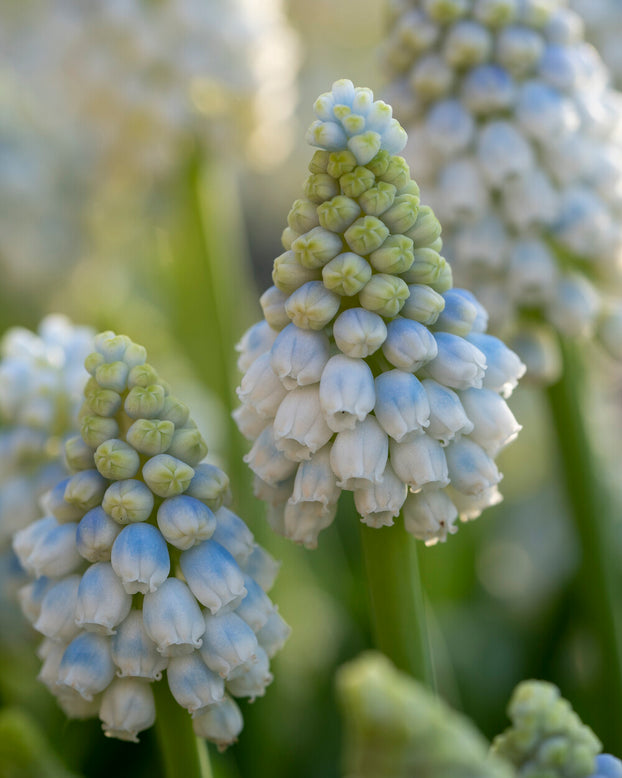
(515, 136)
(369, 372)
(139, 568)
(603, 28)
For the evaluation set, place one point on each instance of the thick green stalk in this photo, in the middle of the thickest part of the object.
(184, 755)
(396, 600)
(594, 515)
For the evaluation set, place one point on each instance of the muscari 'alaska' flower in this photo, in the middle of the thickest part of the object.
(369, 372)
(546, 737)
(603, 27)
(514, 134)
(42, 377)
(141, 568)
(607, 766)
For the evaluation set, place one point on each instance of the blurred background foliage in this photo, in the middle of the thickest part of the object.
(174, 251)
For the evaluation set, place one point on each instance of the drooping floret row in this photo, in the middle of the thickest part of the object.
(140, 567)
(514, 134)
(370, 373)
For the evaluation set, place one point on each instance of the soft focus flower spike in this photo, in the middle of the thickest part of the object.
(514, 137)
(396, 728)
(109, 595)
(546, 735)
(354, 378)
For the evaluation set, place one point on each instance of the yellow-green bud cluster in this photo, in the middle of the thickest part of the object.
(140, 567)
(546, 738)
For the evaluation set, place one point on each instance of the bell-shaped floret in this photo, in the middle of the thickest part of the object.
(419, 461)
(379, 503)
(298, 356)
(430, 516)
(346, 392)
(185, 521)
(304, 520)
(503, 367)
(209, 484)
(127, 708)
(192, 683)
(256, 606)
(494, 425)
(31, 596)
(458, 364)
(447, 416)
(213, 575)
(267, 462)
(360, 455)
(409, 345)
(261, 566)
(358, 332)
(261, 387)
(256, 341)
(85, 489)
(87, 665)
(103, 602)
(95, 535)
(274, 633)
(54, 553)
(300, 427)
(134, 652)
(173, 618)
(401, 405)
(250, 680)
(233, 534)
(471, 470)
(220, 723)
(57, 614)
(140, 558)
(228, 642)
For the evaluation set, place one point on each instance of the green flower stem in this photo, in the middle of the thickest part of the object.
(594, 515)
(397, 601)
(184, 755)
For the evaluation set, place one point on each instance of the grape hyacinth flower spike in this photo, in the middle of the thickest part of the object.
(370, 373)
(141, 568)
(42, 377)
(515, 133)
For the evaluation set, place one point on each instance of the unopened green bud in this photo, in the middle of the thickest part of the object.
(272, 303)
(135, 355)
(288, 274)
(93, 361)
(426, 267)
(402, 215)
(320, 187)
(188, 445)
(111, 346)
(145, 402)
(358, 181)
(167, 476)
(366, 235)
(96, 429)
(394, 256)
(112, 375)
(116, 460)
(445, 279)
(142, 375)
(338, 214)
(312, 306)
(426, 229)
(302, 216)
(397, 172)
(378, 199)
(128, 501)
(151, 436)
(319, 161)
(91, 387)
(104, 402)
(437, 245)
(346, 274)
(85, 489)
(210, 485)
(175, 410)
(288, 236)
(365, 146)
(411, 188)
(423, 305)
(340, 163)
(384, 294)
(379, 164)
(78, 454)
(317, 247)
